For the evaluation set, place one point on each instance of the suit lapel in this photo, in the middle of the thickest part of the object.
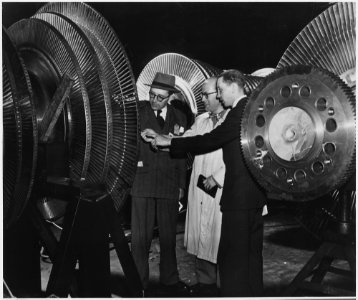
(168, 119)
(152, 120)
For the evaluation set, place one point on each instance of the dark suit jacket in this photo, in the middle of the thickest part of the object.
(158, 174)
(240, 189)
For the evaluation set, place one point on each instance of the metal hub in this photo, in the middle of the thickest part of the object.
(298, 133)
(66, 63)
(291, 133)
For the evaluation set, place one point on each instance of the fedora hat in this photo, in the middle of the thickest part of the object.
(164, 82)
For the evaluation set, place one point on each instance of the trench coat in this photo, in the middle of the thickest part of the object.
(203, 216)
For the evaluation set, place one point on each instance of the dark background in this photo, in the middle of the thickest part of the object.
(242, 35)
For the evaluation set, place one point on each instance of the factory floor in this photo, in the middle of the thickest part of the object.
(287, 248)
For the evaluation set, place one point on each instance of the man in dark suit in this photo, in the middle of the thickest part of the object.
(158, 186)
(242, 201)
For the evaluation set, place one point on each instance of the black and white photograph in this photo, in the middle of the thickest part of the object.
(179, 149)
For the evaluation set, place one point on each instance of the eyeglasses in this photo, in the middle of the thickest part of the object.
(159, 97)
(205, 95)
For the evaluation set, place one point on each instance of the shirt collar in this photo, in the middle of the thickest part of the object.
(164, 112)
(218, 115)
(237, 100)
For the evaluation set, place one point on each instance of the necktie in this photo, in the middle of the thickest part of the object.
(160, 119)
(216, 117)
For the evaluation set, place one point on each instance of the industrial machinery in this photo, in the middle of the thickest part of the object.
(327, 42)
(298, 138)
(190, 74)
(70, 129)
(299, 133)
(100, 121)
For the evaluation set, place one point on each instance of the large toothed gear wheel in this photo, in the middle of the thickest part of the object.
(298, 133)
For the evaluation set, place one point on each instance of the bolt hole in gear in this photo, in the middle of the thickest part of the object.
(298, 129)
(327, 42)
(298, 133)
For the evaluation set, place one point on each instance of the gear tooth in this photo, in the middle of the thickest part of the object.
(352, 101)
(269, 182)
(319, 42)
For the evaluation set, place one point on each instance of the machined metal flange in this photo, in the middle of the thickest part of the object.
(298, 133)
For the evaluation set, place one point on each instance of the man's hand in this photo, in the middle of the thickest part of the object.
(209, 182)
(148, 134)
(162, 141)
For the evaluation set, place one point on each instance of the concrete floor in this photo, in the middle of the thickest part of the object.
(287, 248)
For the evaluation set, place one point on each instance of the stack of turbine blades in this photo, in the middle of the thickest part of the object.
(315, 216)
(121, 153)
(326, 212)
(328, 42)
(251, 83)
(263, 72)
(91, 108)
(193, 73)
(38, 35)
(20, 133)
(207, 69)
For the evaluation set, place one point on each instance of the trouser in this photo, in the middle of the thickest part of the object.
(206, 271)
(240, 253)
(143, 217)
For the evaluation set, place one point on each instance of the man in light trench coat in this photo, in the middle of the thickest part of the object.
(203, 218)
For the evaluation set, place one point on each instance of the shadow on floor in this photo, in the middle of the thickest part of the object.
(119, 286)
(294, 237)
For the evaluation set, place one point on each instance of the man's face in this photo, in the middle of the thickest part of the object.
(158, 98)
(225, 93)
(208, 96)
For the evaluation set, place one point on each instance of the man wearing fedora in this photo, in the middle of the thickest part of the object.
(242, 203)
(158, 186)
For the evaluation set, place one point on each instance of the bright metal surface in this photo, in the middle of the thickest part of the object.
(298, 133)
(328, 42)
(190, 75)
(100, 121)
(121, 153)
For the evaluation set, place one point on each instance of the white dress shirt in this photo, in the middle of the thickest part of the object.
(163, 114)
